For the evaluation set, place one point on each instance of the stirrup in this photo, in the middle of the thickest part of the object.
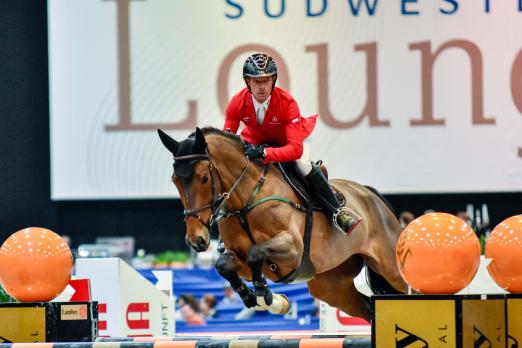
(349, 212)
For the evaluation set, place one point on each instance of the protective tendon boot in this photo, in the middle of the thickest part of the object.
(342, 217)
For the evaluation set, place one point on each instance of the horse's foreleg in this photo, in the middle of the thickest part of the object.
(227, 268)
(255, 258)
(277, 249)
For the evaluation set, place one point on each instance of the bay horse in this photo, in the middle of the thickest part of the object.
(262, 222)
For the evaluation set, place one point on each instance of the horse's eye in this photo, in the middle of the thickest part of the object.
(204, 179)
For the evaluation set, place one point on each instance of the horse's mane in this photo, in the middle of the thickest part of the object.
(227, 135)
(233, 138)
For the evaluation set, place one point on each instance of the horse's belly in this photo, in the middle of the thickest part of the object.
(331, 247)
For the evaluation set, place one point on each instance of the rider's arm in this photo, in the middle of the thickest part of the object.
(293, 149)
(231, 119)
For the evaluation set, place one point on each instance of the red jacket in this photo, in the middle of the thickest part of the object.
(283, 124)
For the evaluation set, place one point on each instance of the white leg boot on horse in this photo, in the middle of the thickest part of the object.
(343, 218)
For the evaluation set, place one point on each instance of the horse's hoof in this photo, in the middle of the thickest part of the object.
(280, 304)
(284, 304)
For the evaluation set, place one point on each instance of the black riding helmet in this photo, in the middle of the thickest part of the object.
(260, 65)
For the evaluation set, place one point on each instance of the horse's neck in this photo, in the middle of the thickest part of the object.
(230, 160)
(230, 163)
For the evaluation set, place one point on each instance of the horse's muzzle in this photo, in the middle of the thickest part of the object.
(199, 246)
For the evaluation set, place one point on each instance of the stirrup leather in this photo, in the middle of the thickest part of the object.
(340, 210)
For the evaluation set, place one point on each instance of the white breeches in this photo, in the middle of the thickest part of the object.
(304, 165)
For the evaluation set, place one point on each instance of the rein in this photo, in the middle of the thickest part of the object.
(220, 211)
(217, 204)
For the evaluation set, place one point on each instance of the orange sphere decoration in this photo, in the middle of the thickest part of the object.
(438, 253)
(504, 248)
(35, 265)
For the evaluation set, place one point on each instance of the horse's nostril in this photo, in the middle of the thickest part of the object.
(201, 243)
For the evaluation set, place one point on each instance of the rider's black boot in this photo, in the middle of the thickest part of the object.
(343, 218)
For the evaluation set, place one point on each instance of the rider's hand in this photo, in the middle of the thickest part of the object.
(254, 152)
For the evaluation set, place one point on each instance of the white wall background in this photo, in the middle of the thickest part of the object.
(178, 46)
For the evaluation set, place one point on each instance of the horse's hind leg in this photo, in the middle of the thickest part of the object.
(383, 262)
(227, 268)
(336, 288)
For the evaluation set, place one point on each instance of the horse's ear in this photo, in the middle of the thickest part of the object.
(171, 144)
(200, 145)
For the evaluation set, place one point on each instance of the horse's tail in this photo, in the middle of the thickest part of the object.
(378, 194)
(378, 284)
(375, 281)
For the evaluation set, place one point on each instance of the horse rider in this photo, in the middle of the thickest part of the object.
(271, 115)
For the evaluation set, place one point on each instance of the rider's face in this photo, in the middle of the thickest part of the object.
(261, 87)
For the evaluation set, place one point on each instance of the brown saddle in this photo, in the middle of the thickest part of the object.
(301, 186)
(338, 194)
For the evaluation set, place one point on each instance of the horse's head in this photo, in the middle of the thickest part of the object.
(193, 179)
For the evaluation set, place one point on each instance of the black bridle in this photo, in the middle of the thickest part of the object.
(218, 199)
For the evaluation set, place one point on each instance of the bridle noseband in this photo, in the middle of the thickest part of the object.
(194, 212)
(218, 200)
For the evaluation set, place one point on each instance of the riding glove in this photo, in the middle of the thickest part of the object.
(254, 152)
